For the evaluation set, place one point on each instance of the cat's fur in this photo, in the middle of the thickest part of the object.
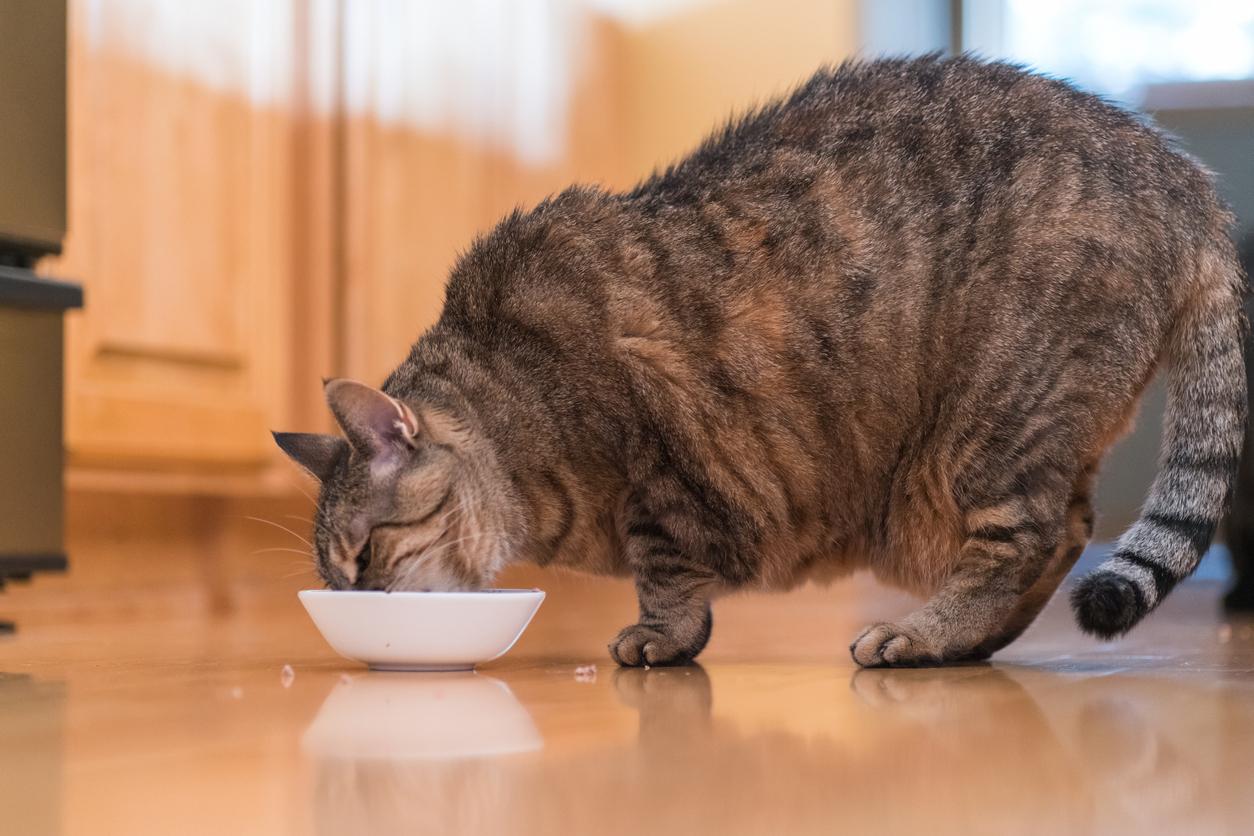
(891, 321)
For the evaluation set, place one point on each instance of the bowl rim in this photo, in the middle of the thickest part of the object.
(481, 594)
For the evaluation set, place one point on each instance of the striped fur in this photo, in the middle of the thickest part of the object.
(892, 322)
(1203, 437)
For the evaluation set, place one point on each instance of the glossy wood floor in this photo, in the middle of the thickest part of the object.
(190, 725)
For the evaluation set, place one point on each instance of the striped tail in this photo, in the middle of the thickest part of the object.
(1202, 438)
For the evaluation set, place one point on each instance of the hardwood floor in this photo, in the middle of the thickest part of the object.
(188, 724)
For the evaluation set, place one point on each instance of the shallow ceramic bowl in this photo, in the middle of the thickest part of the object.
(422, 631)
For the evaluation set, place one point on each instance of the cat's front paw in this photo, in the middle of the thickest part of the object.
(892, 645)
(639, 645)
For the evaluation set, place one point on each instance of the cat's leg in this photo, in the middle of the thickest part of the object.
(675, 619)
(670, 632)
(1000, 562)
(1079, 532)
(674, 595)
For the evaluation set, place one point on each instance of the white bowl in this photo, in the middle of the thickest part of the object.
(422, 631)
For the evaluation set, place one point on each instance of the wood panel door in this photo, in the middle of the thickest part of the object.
(180, 231)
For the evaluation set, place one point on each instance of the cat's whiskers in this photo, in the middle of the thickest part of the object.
(460, 540)
(280, 527)
(306, 494)
(283, 549)
(468, 514)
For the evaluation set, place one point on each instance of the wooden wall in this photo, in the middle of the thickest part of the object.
(688, 72)
(260, 196)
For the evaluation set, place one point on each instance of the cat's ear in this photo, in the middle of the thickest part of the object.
(374, 422)
(314, 452)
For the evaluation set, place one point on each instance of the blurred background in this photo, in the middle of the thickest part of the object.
(261, 193)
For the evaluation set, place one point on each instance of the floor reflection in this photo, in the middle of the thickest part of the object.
(738, 749)
(393, 748)
(1069, 753)
(32, 720)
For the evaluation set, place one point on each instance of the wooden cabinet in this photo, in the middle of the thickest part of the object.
(180, 232)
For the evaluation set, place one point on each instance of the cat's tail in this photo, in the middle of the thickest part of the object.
(1202, 437)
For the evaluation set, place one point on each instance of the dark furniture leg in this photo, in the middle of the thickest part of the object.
(20, 568)
(1240, 523)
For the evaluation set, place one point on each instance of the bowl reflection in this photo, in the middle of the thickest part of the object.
(420, 716)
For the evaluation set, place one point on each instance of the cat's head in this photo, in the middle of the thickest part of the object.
(407, 502)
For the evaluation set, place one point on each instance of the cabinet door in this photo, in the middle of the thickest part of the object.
(179, 230)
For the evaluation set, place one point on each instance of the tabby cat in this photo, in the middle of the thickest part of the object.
(891, 321)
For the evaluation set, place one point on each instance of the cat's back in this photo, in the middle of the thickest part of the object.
(928, 122)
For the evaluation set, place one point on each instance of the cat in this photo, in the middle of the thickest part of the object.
(890, 321)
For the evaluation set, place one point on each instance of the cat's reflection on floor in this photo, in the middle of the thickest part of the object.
(1103, 751)
(892, 751)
